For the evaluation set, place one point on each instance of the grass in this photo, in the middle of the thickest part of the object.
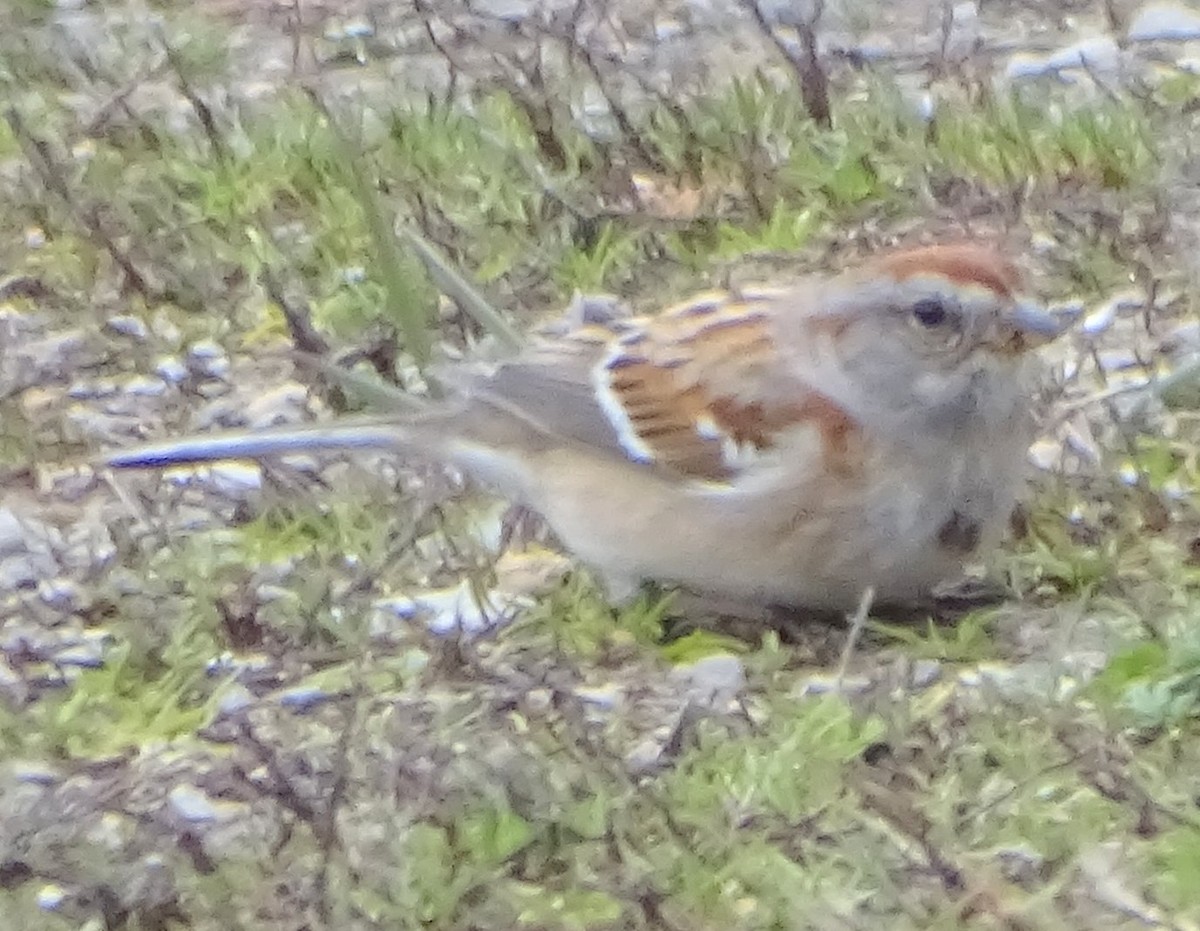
(556, 774)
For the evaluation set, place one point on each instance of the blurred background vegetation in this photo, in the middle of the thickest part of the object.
(313, 696)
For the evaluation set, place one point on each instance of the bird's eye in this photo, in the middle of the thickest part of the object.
(930, 312)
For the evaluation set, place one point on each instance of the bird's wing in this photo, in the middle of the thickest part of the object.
(694, 390)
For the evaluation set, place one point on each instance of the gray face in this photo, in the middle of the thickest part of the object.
(924, 357)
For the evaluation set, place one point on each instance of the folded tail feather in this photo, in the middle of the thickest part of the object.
(256, 444)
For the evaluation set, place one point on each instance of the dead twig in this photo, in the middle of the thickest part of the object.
(811, 76)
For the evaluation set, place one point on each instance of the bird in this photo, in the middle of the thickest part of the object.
(791, 445)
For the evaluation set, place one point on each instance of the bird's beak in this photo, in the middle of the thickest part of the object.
(1026, 326)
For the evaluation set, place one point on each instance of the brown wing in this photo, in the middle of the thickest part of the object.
(689, 391)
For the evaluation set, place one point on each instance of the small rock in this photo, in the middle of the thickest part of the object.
(124, 581)
(215, 388)
(13, 685)
(992, 675)
(205, 350)
(12, 533)
(925, 672)
(143, 386)
(35, 773)
(1114, 360)
(1099, 320)
(51, 897)
(1021, 863)
(304, 698)
(358, 28)
(539, 701)
(113, 831)
(1024, 65)
(165, 329)
(645, 758)
(1077, 437)
(84, 391)
(713, 680)
(511, 11)
(81, 656)
(182, 476)
(50, 352)
(284, 404)
(1159, 22)
(17, 572)
(668, 30)
(207, 359)
(235, 479)
(1104, 314)
(270, 593)
(155, 887)
(1045, 454)
(1098, 54)
(236, 698)
(244, 664)
(443, 611)
(62, 594)
(1183, 337)
(1129, 474)
(830, 685)
(171, 370)
(128, 325)
(1042, 243)
(926, 107)
(190, 804)
(603, 697)
(588, 309)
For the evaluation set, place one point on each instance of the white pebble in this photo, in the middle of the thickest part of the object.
(63, 594)
(143, 386)
(205, 349)
(604, 697)
(51, 897)
(1097, 53)
(12, 533)
(235, 478)
(1099, 320)
(171, 370)
(1165, 21)
(128, 325)
(714, 680)
(192, 805)
(237, 698)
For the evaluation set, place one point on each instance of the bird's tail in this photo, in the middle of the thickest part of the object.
(374, 433)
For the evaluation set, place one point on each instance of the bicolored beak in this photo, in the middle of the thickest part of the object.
(1027, 325)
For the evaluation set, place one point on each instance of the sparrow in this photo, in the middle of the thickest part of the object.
(779, 446)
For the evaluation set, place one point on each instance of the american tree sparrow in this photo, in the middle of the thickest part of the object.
(769, 446)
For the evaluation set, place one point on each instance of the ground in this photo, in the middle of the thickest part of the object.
(349, 692)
